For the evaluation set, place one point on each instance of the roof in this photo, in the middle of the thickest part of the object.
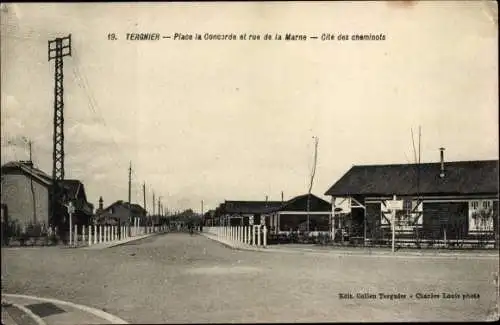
(461, 177)
(249, 207)
(299, 203)
(73, 187)
(28, 169)
(134, 207)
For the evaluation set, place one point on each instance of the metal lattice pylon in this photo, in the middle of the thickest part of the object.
(58, 48)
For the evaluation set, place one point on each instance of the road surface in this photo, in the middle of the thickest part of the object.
(178, 278)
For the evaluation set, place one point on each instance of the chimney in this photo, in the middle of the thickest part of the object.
(441, 174)
(100, 203)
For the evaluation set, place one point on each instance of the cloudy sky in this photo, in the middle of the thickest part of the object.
(216, 120)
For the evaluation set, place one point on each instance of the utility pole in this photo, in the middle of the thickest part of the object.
(130, 191)
(144, 194)
(159, 206)
(312, 179)
(153, 202)
(57, 50)
(33, 197)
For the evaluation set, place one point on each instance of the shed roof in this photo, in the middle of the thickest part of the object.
(249, 207)
(461, 177)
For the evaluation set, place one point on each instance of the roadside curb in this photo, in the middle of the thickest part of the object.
(330, 253)
(80, 308)
(26, 311)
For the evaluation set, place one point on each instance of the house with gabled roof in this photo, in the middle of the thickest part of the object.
(243, 213)
(26, 194)
(121, 212)
(446, 202)
(296, 213)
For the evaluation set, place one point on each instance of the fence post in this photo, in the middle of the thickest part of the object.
(90, 235)
(264, 234)
(95, 234)
(253, 235)
(75, 238)
(99, 238)
(258, 235)
(245, 235)
(83, 234)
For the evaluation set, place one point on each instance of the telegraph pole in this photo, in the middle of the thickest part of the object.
(144, 194)
(57, 50)
(31, 182)
(159, 205)
(153, 202)
(130, 191)
(312, 180)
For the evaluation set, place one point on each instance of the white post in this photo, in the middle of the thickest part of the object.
(253, 235)
(83, 234)
(90, 235)
(95, 234)
(393, 225)
(264, 234)
(245, 234)
(258, 235)
(75, 237)
(100, 234)
(249, 235)
(70, 229)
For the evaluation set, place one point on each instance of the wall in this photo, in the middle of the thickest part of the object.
(17, 195)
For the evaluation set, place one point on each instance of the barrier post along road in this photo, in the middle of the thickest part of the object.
(71, 210)
(394, 205)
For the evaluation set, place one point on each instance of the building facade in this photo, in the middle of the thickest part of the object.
(26, 194)
(123, 213)
(453, 203)
(296, 213)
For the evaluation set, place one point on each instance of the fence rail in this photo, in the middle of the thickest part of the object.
(80, 235)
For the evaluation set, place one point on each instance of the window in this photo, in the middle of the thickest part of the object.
(486, 204)
(474, 205)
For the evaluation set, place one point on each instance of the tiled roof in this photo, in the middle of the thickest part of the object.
(299, 203)
(134, 207)
(461, 177)
(249, 207)
(27, 169)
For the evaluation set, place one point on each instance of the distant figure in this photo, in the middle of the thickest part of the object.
(201, 227)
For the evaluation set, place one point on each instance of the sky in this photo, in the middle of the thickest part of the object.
(235, 120)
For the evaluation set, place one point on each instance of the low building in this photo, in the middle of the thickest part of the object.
(296, 213)
(121, 212)
(243, 213)
(450, 203)
(26, 194)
